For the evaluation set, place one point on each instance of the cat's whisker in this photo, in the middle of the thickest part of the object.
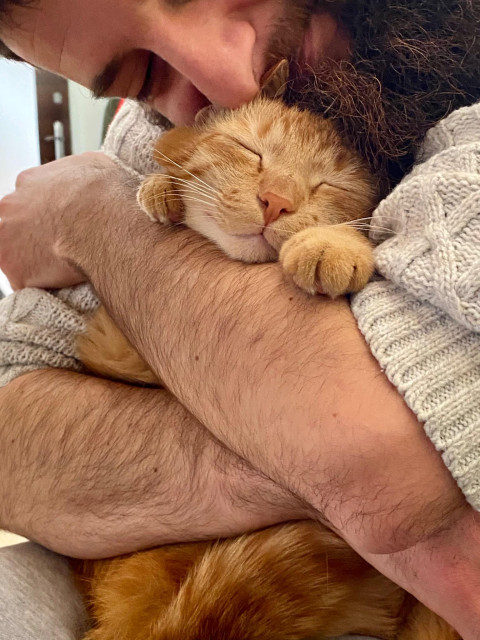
(187, 185)
(182, 224)
(187, 192)
(358, 220)
(180, 199)
(192, 184)
(183, 193)
(190, 187)
(385, 230)
(363, 227)
(183, 169)
(193, 199)
(192, 192)
(186, 188)
(386, 218)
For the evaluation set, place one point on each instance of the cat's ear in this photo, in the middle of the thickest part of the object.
(275, 81)
(176, 146)
(206, 115)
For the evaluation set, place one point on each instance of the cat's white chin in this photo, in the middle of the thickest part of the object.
(249, 248)
(273, 238)
(246, 247)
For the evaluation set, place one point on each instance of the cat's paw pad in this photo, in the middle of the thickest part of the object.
(325, 260)
(152, 198)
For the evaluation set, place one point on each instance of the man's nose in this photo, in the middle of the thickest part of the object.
(217, 56)
(226, 76)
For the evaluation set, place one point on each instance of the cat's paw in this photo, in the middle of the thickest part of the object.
(159, 200)
(329, 260)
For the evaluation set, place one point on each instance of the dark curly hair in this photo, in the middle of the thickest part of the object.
(413, 63)
(5, 5)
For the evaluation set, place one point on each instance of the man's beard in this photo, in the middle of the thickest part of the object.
(413, 62)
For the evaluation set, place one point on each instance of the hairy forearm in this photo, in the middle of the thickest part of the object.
(92, 468)
(285, 381)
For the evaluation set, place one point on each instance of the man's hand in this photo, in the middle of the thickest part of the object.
(36, 216)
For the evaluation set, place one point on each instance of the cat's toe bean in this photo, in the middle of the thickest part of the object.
(299, 258)
(344, 269)
(327, 260)
(334, 273)
(152, 196)
(146, 198)
(290, 255)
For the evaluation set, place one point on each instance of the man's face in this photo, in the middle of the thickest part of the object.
(384, 70)
(176, 55)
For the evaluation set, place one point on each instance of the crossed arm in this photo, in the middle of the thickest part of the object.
(285, 382)
(92, 468)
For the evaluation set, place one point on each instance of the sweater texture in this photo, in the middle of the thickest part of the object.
(422, 320)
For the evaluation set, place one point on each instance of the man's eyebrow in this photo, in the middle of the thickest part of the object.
(102, 83)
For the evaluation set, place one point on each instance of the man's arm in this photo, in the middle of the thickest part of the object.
(92, 468)
(318, 413)
(284, 380)
(288, 383)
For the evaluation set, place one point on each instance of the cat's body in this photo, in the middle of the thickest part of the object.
(262, 182)
(293, 581)
(265, 182)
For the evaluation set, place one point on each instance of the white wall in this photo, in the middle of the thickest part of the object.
(86, 118)
(19, 148)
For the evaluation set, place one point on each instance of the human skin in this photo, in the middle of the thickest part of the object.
(57, 35)
(124, 468)
(366, 464)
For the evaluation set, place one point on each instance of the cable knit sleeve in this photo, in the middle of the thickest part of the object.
(131, 138)
(422, 320)
(38, 328)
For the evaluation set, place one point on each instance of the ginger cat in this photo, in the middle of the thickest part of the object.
(266, 182)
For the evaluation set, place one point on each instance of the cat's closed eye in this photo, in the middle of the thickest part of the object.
(318, 186)
(249, 149)
(324, 183)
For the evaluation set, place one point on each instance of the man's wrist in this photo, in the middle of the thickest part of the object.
(107, 206)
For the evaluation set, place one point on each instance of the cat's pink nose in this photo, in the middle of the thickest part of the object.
(274, 206)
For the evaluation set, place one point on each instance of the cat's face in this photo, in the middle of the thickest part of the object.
(250, 179)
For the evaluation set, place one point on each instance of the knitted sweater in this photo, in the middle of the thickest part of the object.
(421, 319)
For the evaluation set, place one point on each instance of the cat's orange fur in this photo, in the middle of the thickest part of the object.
(292, 581)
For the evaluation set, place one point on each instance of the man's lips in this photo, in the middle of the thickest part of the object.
(182, 104)
(173, 95)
